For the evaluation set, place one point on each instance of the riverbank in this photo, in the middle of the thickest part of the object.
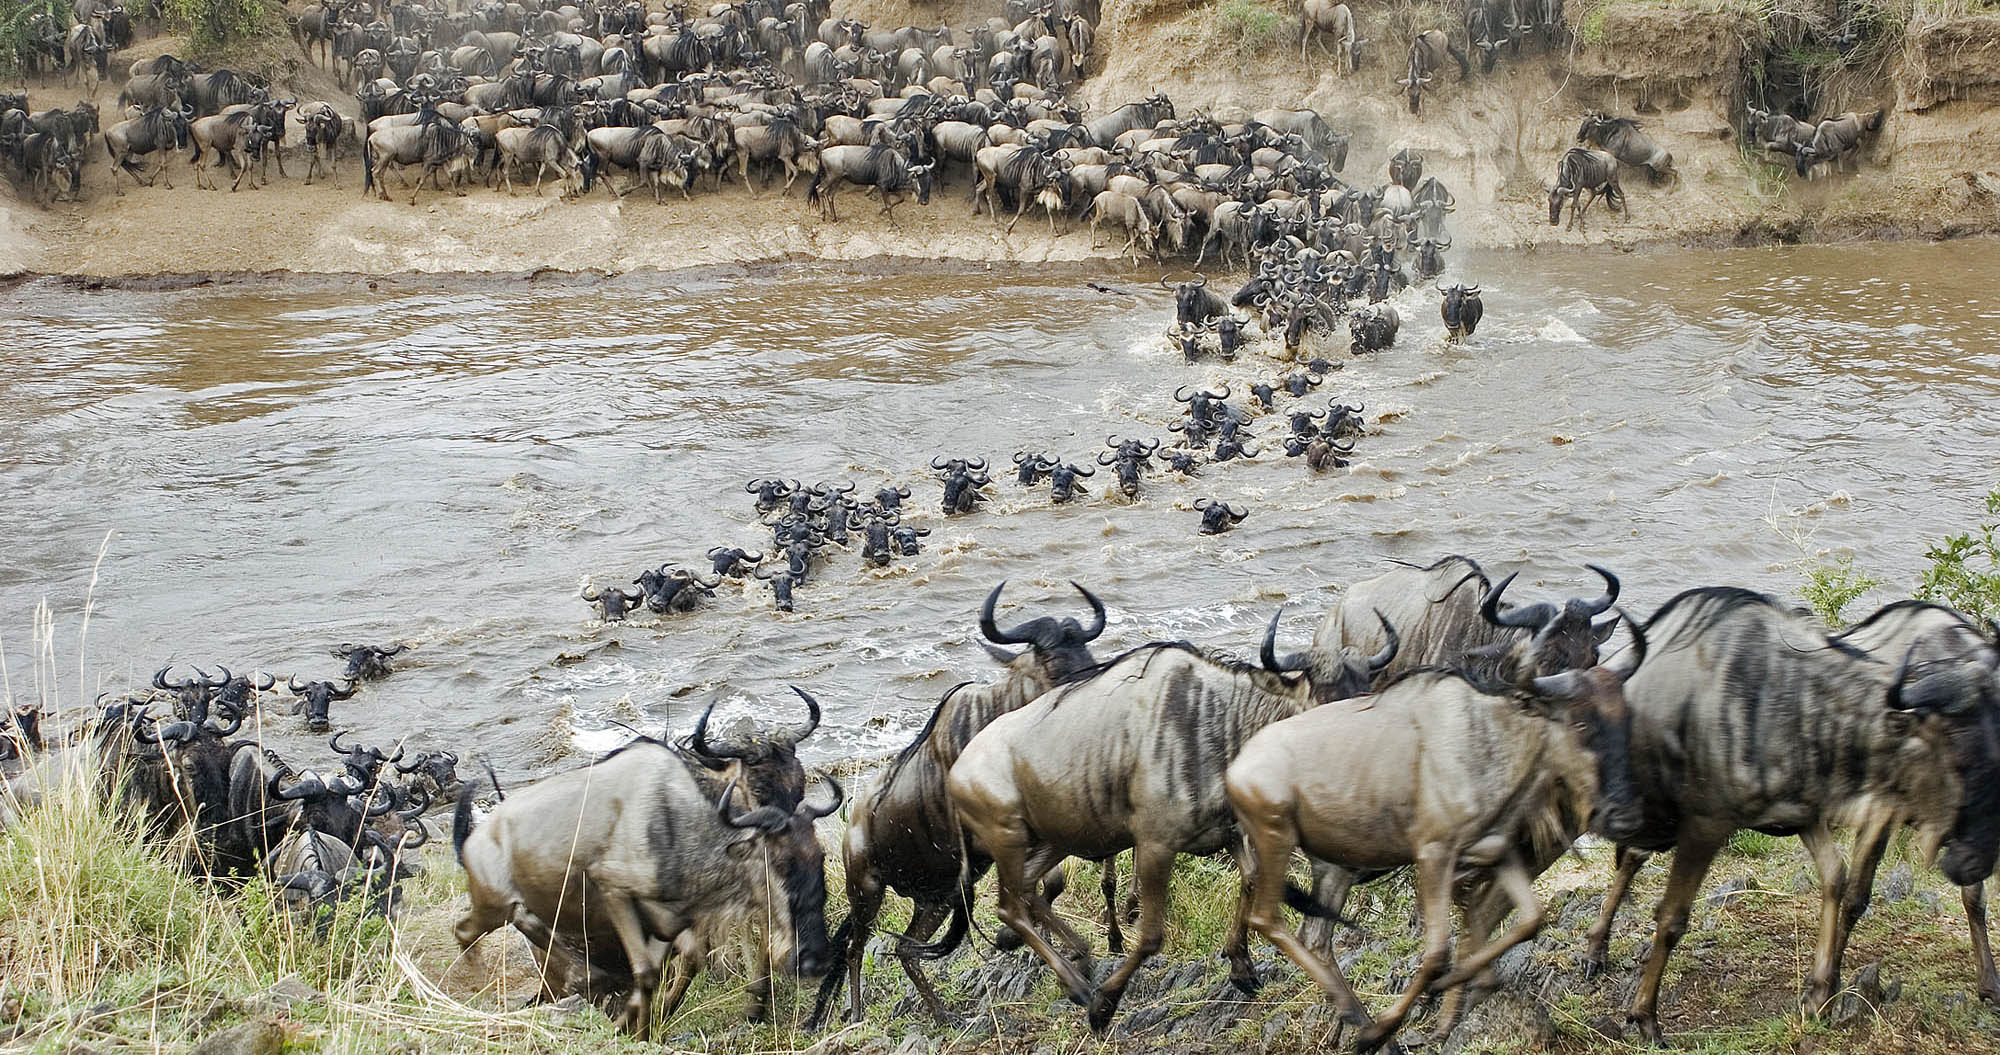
(104, 947)
(1683, 66)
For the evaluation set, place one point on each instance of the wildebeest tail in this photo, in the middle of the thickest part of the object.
(812, 186)
(367, 165)
(836, 973)
(1301, 902)
(1085, 214)
(461, 823)
(954, 932)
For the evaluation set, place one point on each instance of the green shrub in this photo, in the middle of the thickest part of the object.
(1251, 25)
(1965, 568)
(212, 23)
(1833, 585)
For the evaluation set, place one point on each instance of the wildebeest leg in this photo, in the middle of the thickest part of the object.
(687, 963)
(1512, 880)
(1271, 840)
(1152, 867)
(1974, 899)
(1020, 207)
(924, 922)
(1843, 900)
(1597, 952)
(1434, 879)
(1483, 909)
(1331, 886)
(758, 955)
(1107, 884)
(1695, 848)
(1236, 945)
(624, 919)
(161, 172)
(1018, 909)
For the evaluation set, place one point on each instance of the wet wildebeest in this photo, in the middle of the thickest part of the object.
(51, 167)
(315, 700)
(881, 167)
(1131, 757)
(1065, 482)
(733, 562)
(905, 538)
(1837, 140)
(161, 130)
(1218, 517)
(1748, 716)
(1621, 137)
(1335, 20)
(902, 836)
(1195, 304)
(369, 662)
(1373, 328)
(1446, 774)
(612, 602)
(962, 482)
(1461, 309)
(433, 775)
(670, 589)
(782, 581)
(1584, 171)
(1430, 257)
(770, 493)
(561, 873)
(1427, 54)
(1452, 617)
(1032, 468)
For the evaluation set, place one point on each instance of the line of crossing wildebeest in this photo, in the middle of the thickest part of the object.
(1434, 723)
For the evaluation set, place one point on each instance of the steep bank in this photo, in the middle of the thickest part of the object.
(1686, 67)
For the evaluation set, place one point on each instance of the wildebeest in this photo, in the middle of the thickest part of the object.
(1748, 716)
(1584, 171)
(1218, 517)
(315, 700)
(1195, 304)
(1621, 137)
(1447, 774)
(902, 836)
(881, 167)
(612, 602)
(1131, 757)
(545, 149)
(1335, 20)
(630, 856)
(1066, 482)
(369, 662)
(1778, 131)
(159, 130)
(1461, 309)
(51, 166)
(436, 144)
(1837, 140)
(1373, 328)
(1427, 54)
(324, 128)
(1452, 617)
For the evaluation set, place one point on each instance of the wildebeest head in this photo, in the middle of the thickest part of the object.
(1266, 395)
(1031, 467)
(1064, 481)
(1337, 674)
(1300, 384)
(1062, 645)
(315, 700)
(770, 493)
(906, 539)
(612, 602)
(791, 854)
(363, 763)
(368, 662)
(733, 562)
(1959, 705)
(1186, 463)
(1550, 639)
(434, 774)
(1218, 517)
(1229, 446)
(1591, 701)
(781, 581)
(766, 762)
(876, 547)
(890, 499)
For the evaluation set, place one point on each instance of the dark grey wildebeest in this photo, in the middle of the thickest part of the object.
(1748, 716)
(902, 836)
(1622, 138)
(1480, 786)
(159, 130)
(437, 145)
(1581, 172)
(882, 168)
(1131, 758)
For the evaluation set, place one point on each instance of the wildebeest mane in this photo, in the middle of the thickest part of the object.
(1229, 664)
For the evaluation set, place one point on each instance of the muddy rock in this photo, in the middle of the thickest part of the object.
(289, 992)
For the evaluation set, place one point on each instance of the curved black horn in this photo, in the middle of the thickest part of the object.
(764, 818)
(1526, 618)
(352, 687)
(992, 630)
(1383, 658)
(1096, 607)
(812, 714)
(335, 743)
(699, 741)
(1268, 654)
(816, 812)
(1603, 604)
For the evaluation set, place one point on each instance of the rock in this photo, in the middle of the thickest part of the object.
(1803, 882)
(1730, 891)
(1275, 1025)
(261, 1036)
(1868, 983)
(289, 992)
(1900, 882)
(914, 1044)
(1930, 901)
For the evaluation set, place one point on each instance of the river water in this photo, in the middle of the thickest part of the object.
(284, 465)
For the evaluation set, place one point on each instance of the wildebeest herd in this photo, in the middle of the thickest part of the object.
(1435, 722)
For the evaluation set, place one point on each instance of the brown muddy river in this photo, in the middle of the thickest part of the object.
(285, 465)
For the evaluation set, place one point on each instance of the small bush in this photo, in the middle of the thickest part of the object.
(1832, 586)
(1965, 568)
(1253, 25)
(212, 23)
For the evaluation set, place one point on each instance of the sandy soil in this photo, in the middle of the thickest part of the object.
(1494, 139)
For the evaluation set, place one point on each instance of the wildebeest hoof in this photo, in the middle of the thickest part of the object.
(1008, 940)
(1246, 982)
(1102, 1008)
(1989, 993)
(1644, 1030)
(1593, 964)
